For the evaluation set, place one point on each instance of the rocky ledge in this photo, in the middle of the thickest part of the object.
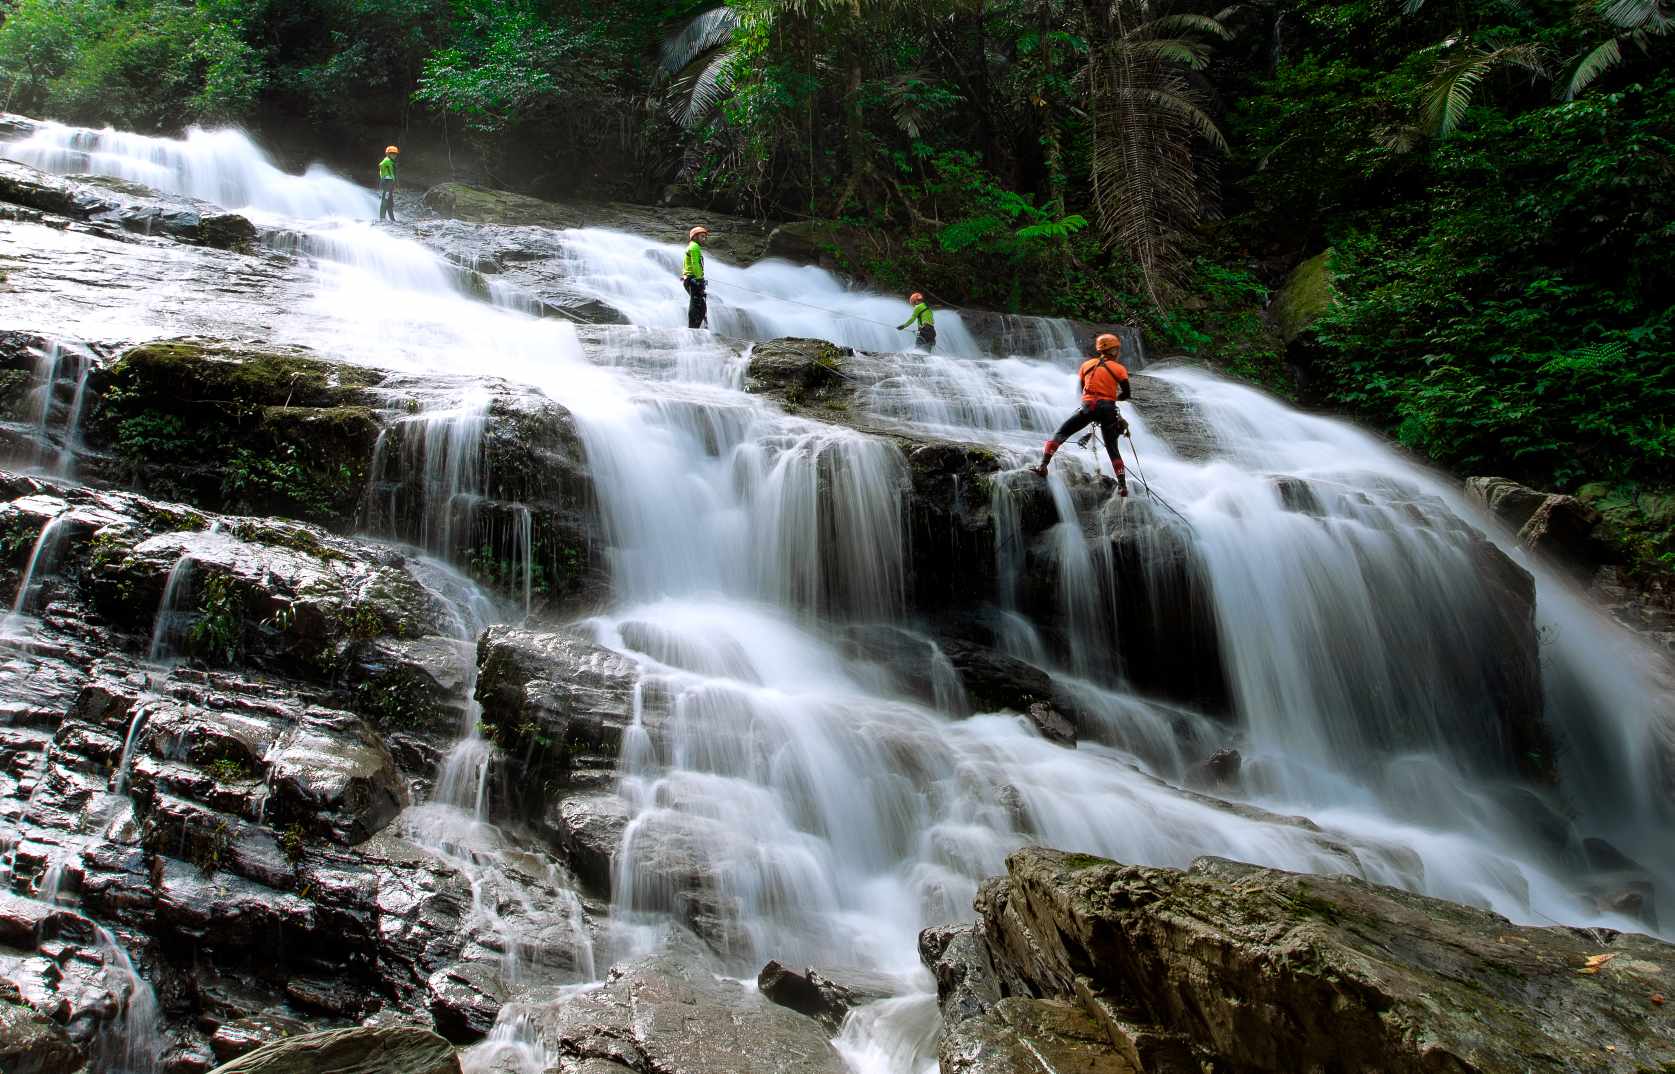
(1077, 963)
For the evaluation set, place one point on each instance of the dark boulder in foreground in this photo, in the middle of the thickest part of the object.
(1233, 967)
(383, 1050)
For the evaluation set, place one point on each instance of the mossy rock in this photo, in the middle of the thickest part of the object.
(1305, 295)
(272, 432)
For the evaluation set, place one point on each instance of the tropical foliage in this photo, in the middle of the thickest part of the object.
(1492, 178)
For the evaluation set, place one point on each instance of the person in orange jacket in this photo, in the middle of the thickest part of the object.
(1104, 382)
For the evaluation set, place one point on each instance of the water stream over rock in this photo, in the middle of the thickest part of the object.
(802, 723)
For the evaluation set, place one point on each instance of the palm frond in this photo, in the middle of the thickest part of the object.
(1448, 95)
(695, 97)
(701, 33)
(1631, 14)
(1593, 66)
(1184, 24)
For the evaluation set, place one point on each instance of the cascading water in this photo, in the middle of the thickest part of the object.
(219, 166)
(809, 813)
(43, 556)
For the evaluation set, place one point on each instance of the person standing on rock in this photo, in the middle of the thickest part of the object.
(924, 318)
(386, 184)
(692, 277)
(1104, 382)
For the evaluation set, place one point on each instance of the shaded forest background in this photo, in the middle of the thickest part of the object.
(1452, 219)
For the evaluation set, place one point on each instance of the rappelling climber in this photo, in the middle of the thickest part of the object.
(692, 277)
(1104, 381)
(386, 184)
(922, 317)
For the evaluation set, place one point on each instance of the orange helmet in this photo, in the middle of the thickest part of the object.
(392, 151)
(1107, 342)
(916, 297)
(695, 232)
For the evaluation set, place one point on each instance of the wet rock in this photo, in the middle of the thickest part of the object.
(465, 998)
(128, 206)
(1233, 965)
(381, 1050)
(1169, 415)
(673, 1014)
(1506, 499)
(31, 1043)
(732, 239)
(1218, 772)
(548, 697)
(1562, 530)
(243, 1035)
(410, 684)
(966, 984)
(1052, 725)
(589, 831)
(801, 374)
(335, 771)
(826, 997)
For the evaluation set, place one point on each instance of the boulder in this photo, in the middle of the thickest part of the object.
(464, 1000)
(1051, 724)
(1303, 297)
(1506, 499)
(31, 1043)
(1562, 531)
(549, 698)
(1218, 772)
(335, 771)
(364, 1050)
(1234, 966)
(1167, 414)
(241, 1036)
(824, 996)
(589, 830)
(801, 374)
(673, 1014)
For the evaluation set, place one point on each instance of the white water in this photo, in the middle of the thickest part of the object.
(219, 166)
(838, 818)
(43, 556)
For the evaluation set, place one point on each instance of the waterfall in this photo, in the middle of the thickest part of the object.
(220, 166)
(132, 1042)
(798, 806)
(43, 556)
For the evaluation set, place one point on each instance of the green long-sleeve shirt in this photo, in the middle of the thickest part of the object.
(921, 315)
(386, 168)
(694, 266)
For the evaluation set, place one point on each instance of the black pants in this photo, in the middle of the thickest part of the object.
(699, 308)
(386, 199)
(927, 336)
(1111, 426)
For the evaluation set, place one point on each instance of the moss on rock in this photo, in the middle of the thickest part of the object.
(272, 432)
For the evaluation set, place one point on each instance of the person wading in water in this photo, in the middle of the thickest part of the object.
(692, 277)
(386, 184)
(922, 317)
(1104, 382)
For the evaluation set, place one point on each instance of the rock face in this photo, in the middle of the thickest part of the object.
(549, 700)
(1235, 967)
(392, 1050)
(31, 1043)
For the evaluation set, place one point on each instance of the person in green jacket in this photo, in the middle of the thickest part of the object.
(692, 277)
(386, 184)
(922, 317)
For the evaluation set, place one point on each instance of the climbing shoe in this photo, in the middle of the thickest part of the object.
(1039, 471)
